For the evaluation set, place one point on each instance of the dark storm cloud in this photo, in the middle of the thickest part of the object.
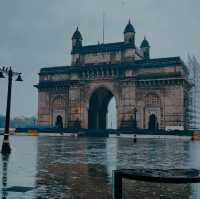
(38, 33)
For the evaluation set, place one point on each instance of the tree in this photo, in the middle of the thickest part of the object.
(2, 121)
(19, 122)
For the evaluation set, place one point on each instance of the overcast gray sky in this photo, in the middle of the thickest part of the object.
(37, 33)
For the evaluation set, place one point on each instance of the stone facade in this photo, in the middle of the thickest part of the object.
(152, 90)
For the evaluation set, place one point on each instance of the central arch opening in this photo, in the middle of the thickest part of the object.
(102, 110)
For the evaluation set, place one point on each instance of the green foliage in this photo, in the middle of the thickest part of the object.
(2, 121)
(19, 122)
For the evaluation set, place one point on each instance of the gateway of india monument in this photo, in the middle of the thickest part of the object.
(149, 93)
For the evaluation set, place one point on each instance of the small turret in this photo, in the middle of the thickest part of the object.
(129, 33)
(145, 47)
(77, 39)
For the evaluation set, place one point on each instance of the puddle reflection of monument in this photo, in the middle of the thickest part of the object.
(5, 160)
(71, 176)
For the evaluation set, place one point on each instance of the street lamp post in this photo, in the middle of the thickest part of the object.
(8, 72)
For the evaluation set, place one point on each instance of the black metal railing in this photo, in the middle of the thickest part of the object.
(171, 176)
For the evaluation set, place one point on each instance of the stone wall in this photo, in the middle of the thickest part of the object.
(169, 109)
(174, 106)
(128, 54)
(162, 97)
(43, 108)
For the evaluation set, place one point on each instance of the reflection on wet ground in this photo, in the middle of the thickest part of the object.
(81, 168)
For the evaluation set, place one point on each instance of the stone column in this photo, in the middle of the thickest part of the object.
(44, 115)
(127, 104)
(174, 106)
(76, 109)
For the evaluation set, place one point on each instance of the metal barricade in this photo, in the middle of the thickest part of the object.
(171, 176)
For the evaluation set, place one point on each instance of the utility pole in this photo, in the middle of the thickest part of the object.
(103, 27)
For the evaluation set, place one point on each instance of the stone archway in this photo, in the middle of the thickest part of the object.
(58, 109)
(98, 107)
(153, 122)
(152, 111)
(59, 121)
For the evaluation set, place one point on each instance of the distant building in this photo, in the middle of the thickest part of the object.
(149, 93)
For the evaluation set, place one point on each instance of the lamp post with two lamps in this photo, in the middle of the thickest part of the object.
(7, 71)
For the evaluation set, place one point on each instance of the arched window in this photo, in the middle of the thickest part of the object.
(152, 99)
(58, 111)
(58, 102)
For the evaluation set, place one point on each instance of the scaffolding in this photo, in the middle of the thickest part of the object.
(193, 109)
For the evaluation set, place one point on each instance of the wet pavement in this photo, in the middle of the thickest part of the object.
(81, 168)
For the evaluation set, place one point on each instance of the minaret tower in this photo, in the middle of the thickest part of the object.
(129, 33)
(77, 39)
(145, 47)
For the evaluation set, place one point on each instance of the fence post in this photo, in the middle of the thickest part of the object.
(117, 185)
